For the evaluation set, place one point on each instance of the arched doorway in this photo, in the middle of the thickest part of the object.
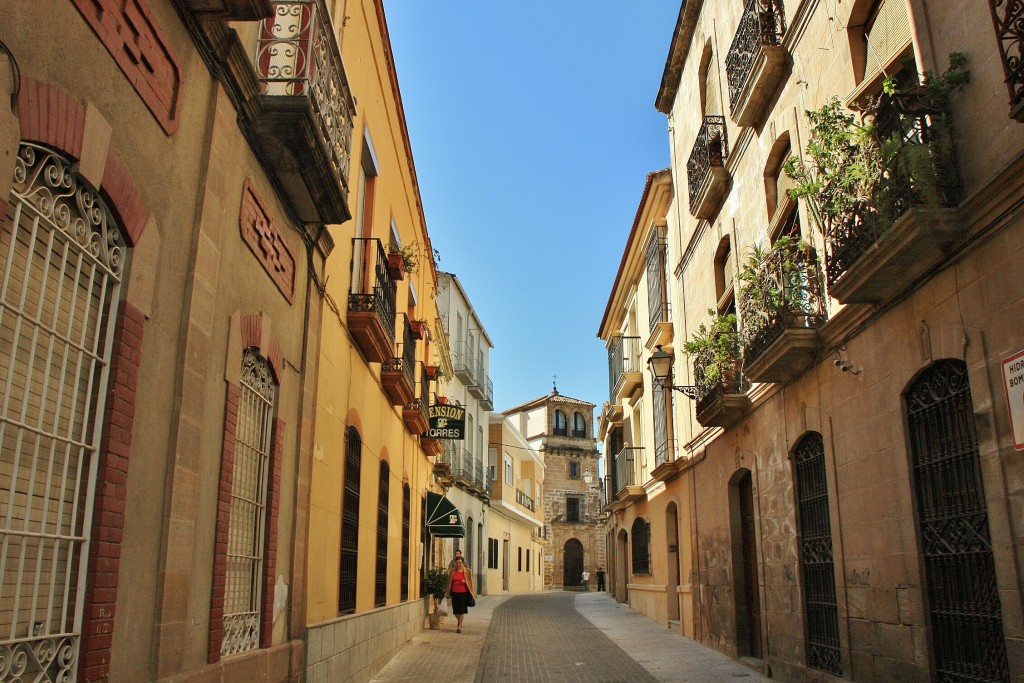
(572, 566)
(744, 561)
(961, 590)
(621, 565)
(672, 584)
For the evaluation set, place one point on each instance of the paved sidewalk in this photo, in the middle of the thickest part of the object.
(472, 657)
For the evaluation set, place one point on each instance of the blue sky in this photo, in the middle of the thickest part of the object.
(533, 128)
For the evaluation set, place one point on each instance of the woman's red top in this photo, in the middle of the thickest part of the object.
(459, 582)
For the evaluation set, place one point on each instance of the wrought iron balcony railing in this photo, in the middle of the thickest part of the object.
(762, 23)
(625, 468)
(787, 293)
(464, 364)
(304, 123)
(1008, 17)
(710, 150)
(717, 376)
(921, 171)
(623, 357)
(487, 401)
(371, 299)
(524, 500)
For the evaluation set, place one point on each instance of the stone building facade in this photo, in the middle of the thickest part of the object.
(161, 297)
(561, 429)
(853, 463)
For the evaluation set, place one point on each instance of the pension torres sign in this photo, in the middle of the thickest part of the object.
(446, 422)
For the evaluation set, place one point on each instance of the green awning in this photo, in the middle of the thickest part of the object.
(443, 518)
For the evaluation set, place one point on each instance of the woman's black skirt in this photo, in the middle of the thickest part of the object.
(459, 601)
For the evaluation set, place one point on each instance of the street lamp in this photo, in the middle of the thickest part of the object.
(660, 365)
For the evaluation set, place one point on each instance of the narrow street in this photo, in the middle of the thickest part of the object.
(559, 637)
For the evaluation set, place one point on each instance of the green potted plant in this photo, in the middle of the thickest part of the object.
(779, 285)
(864, 172)
(716, 353)
(402, 261)
(718, 371)
(435, 583)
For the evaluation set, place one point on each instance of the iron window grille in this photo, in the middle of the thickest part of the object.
(350, 523)
(641, 550)
(62, 263)
(816, 558)
(247, 526)
(962, 593)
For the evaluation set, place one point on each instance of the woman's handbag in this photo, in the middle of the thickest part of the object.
(471, 601)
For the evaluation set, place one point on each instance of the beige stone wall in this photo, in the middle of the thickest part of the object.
(968, 309)
(353, 649)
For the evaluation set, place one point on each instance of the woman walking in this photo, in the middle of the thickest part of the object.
(460, 589)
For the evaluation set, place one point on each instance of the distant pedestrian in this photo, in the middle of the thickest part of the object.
(458, 554)
(600, 578)
(460, 590)
(585, 580)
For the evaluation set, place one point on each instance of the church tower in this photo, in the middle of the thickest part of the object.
(562, 430)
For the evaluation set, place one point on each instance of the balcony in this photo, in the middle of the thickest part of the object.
(414, 414)
(721, 390)
(443, 463)
(1008, 18)
(756, 61)
(524, 500)
(882, 243)
(624, 369)
(397, 373)
(487, 396)
(464, 364)
(302, 128)
(782, 304)
(627, 487)
(481, 382)
(707, 179)
(371, 300)
(231, 10)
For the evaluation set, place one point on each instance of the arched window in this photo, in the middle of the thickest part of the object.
(725, 274)
(579, 425)
(953, 527)
(62, 260)
(406, 511)
(380, 590)
(776, 183)
(641, 546)
(561, 424)
(247, 527)
(816, 565)
(350, 523)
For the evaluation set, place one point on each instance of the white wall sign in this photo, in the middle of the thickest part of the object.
(1013, 382)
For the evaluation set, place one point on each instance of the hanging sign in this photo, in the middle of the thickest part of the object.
(1013, 382)
(446, 422)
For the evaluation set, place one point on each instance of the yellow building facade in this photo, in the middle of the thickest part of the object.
(371, 468)
(516, 546)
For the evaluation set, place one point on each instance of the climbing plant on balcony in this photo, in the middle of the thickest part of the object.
(716, 354)
(864, 171)
(780, 288)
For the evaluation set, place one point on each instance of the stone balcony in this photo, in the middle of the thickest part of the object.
(302, 126)
(756, 61)
(706, 175)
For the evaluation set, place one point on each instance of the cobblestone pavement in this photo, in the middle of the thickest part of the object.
(559, 637)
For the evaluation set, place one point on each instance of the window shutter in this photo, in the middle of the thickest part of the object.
(888, 32)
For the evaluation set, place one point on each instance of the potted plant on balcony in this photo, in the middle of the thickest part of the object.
(419, 328)
(866, 174)
(718, 371)
(435, 582)
(781, 299)
(402, 261)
